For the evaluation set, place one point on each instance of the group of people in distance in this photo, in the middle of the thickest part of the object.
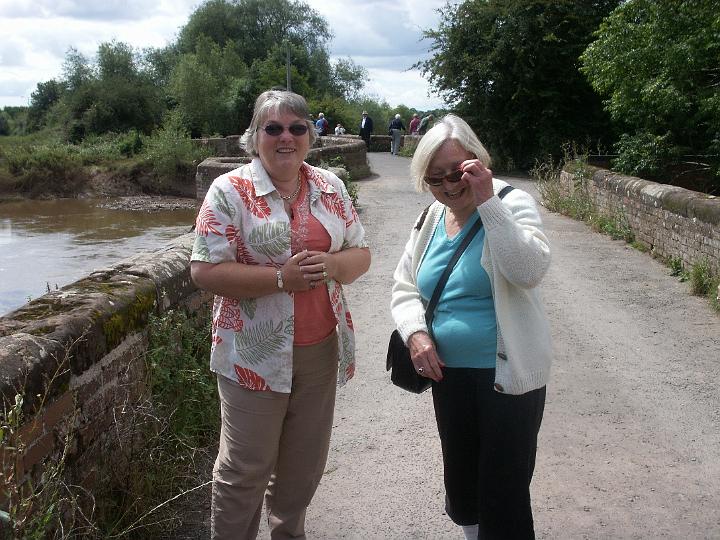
(417, 127)
(276, 242)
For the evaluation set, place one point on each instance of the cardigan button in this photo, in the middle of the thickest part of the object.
(502, 356)
(499, 387)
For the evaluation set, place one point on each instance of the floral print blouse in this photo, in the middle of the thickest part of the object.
(243, 219)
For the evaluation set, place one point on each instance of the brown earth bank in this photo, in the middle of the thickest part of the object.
(130, 188)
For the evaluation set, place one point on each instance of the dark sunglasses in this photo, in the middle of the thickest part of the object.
(274, 130)
(436, 181)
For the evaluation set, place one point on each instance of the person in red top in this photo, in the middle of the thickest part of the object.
(276, 240)
(414, 124)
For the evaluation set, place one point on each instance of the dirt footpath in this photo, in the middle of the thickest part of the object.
(630, 445)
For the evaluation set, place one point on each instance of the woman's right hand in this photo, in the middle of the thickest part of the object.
(424, 356)
(293, 275)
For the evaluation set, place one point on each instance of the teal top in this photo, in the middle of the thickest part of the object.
(464, 327)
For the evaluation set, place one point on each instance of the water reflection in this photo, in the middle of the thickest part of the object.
(48, 244)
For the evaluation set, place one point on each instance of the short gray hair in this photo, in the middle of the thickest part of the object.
(275, 101)
(449, 127)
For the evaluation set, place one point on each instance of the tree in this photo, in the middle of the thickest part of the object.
(255, 26)
(347, 78)
(656, 61)
(113, 94)
(76, 69)
(510, 67)
(196, 85)
(4, 123)
(231, 51)
(159, 63)
(45, 96)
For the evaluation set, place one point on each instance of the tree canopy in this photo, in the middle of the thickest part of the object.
(658, 64)
(510, 67)
(228, 52)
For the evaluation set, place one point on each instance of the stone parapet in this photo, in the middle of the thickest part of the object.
(351, 149)
(76, 355)
(221, 146)
(672, 222)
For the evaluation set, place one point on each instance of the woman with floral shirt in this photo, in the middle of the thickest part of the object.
(275, 241)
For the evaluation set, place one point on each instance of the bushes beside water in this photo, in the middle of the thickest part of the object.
(35, 167)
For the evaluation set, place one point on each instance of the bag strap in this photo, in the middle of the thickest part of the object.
(430, 311)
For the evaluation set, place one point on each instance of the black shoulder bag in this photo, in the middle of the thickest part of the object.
(402, 370)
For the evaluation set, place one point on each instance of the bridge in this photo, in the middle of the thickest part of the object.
(630, 443)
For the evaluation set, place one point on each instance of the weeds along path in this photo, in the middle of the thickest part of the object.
(630, 445)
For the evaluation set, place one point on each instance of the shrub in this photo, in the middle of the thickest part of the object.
(351, 186)
(170, 153)
(46, 169)
(702, 279)
(169, 443)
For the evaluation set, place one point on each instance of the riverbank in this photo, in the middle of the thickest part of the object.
(122, 188)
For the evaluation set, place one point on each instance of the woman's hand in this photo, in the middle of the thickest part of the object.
(424, 356)
(317, 267)
(479, 177)
(293, 273)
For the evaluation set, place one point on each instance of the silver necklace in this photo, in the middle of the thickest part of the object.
(293, 194)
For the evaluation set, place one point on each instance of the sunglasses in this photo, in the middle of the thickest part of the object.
(436, 181)
(274, 130)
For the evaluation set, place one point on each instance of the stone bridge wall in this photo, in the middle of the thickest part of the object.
(671, 221)
(350, 148)
(76, 354)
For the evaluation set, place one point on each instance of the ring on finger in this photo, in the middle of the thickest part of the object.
(325, 275)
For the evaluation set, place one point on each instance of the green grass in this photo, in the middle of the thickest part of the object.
(160, 445)
(578, 205)
(174, 433)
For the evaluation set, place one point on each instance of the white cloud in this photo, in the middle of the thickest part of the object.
(403, 88)
(105, 10)
(382, 36)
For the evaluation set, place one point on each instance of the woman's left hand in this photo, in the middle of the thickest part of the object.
(317, 267)
(479, 177)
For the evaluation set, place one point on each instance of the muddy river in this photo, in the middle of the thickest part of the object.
(48, 244)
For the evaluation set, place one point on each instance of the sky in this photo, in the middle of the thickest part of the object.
(382, 36)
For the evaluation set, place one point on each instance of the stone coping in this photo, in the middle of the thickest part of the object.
(691, 204)
(83, 321)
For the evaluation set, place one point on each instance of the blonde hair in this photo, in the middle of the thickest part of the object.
(449, 127)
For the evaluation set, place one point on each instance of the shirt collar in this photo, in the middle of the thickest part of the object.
(263, 185)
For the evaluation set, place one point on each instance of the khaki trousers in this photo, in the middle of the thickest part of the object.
(276, 444)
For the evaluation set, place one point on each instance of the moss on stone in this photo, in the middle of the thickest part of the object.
(41, 330)
(127, 320)
(43, 308)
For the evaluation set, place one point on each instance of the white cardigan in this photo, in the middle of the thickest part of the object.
(516, 256)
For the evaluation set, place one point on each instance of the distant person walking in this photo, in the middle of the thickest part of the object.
(395, 129)
(414, 124)
(425, 124)
(321, 126)
(366, 128)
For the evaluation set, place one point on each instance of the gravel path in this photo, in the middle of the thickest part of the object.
(630, 445)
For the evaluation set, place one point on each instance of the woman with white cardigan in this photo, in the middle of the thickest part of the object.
(489, 350)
